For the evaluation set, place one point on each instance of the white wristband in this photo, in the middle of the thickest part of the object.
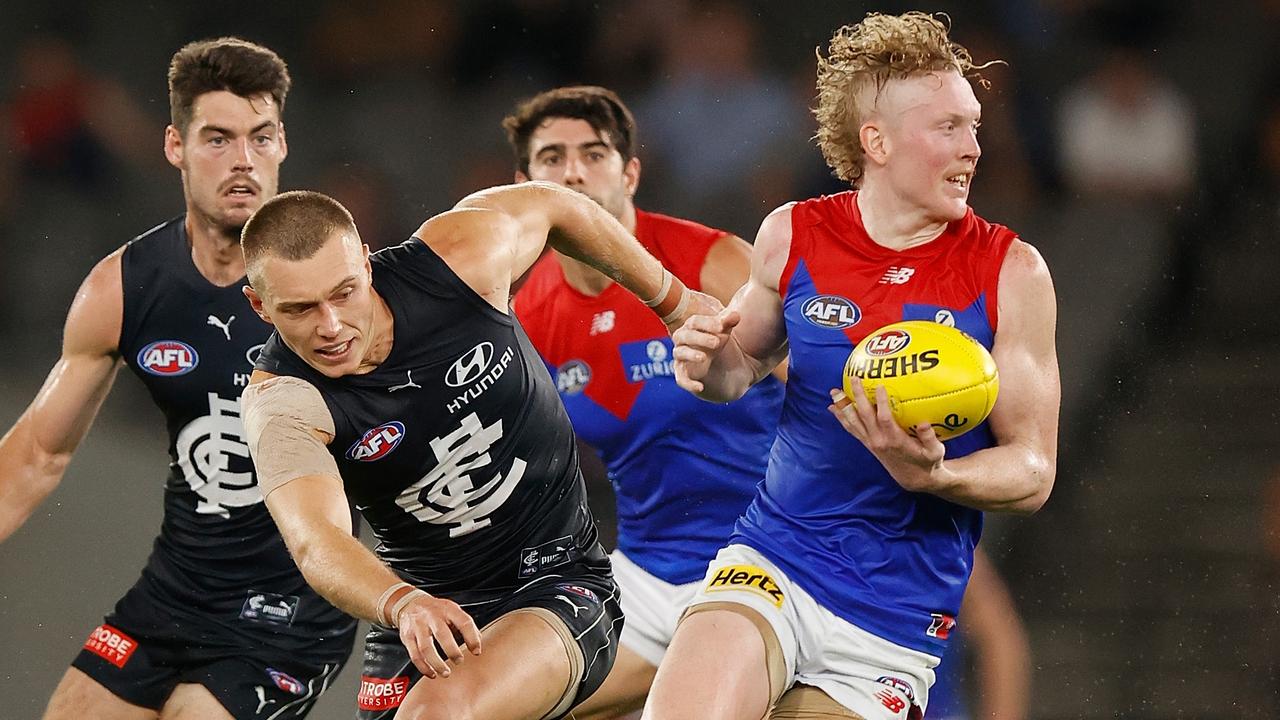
(403, 602)
(382, 602)
(680, 308)
(662, 292)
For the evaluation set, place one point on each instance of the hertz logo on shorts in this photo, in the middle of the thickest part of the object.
(746, 577)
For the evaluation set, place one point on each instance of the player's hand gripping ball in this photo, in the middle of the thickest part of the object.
(933, 373)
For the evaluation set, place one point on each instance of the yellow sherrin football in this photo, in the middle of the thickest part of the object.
(933, 373)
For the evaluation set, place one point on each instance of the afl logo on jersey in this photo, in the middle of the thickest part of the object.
(831, 311)
(888, 343)
(572, 377)
(377, 443)
(168, 358)
(469, 367)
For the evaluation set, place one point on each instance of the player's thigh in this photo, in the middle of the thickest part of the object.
(521, 650)
(191, 701)
(716, 668)
(803, 702)
(79, 695)
(623, 691)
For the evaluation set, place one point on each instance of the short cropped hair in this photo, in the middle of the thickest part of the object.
(868, 55)
(600, 107)
(227, 63)
(292, 226)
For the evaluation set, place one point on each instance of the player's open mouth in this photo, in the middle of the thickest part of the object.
(241, 191)
(334, 352)
(961, 181)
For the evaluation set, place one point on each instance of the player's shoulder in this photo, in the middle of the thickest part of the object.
(981, 229)
(159, 238)
(777, 227)
(840, 206)
(666, 229)
(1023, 261)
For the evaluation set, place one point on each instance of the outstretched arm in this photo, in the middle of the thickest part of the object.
(725, 271)
(493, 236)
(35, 452)
(718, 356)
(287, 426)
(1017, 473)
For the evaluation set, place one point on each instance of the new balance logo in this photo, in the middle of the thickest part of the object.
(897, 275)
(602, 322)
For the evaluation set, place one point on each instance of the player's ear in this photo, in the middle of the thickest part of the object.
(631, 176)
(173, 148)
(874, 142)
(255, 302)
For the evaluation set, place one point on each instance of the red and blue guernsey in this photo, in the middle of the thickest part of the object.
(891, 562)
(683, 469)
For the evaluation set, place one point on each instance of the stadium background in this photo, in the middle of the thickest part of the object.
(1137, 144)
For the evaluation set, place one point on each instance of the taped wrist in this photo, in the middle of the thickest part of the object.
(672, 298)
(394, 600)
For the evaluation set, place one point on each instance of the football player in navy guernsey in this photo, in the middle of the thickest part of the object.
(401, 381)
(221, 623)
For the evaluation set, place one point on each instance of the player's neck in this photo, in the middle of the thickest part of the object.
(382, 334)
(215, 251)
(586, 279)
(892, 223)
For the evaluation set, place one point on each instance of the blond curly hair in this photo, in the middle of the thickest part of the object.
(870, 54)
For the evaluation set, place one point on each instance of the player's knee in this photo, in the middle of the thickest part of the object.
(433, 709)
(726, 630)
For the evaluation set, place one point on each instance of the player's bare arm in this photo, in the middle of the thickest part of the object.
(1016, 475)
(492, 237)
(35, 452)
(724, 272)
(287, 429)
(718, 357)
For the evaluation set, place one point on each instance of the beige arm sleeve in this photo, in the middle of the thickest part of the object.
(284, 419)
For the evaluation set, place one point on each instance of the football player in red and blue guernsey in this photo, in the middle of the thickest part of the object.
(683, 469)
(839, 586)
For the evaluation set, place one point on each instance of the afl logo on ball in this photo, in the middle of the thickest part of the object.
(377, 443)
(888, 343)
(831, 311)
(168, 358)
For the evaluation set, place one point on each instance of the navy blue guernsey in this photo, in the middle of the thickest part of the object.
(219, 556)
(456, 448)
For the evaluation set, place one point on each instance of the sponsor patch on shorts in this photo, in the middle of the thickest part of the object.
(579, 590)
(940, 625)
(547, 555)
(898, 684)
(269, 607)
(746, 577)
(111, 645)
(382, 693)
(286, 682)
